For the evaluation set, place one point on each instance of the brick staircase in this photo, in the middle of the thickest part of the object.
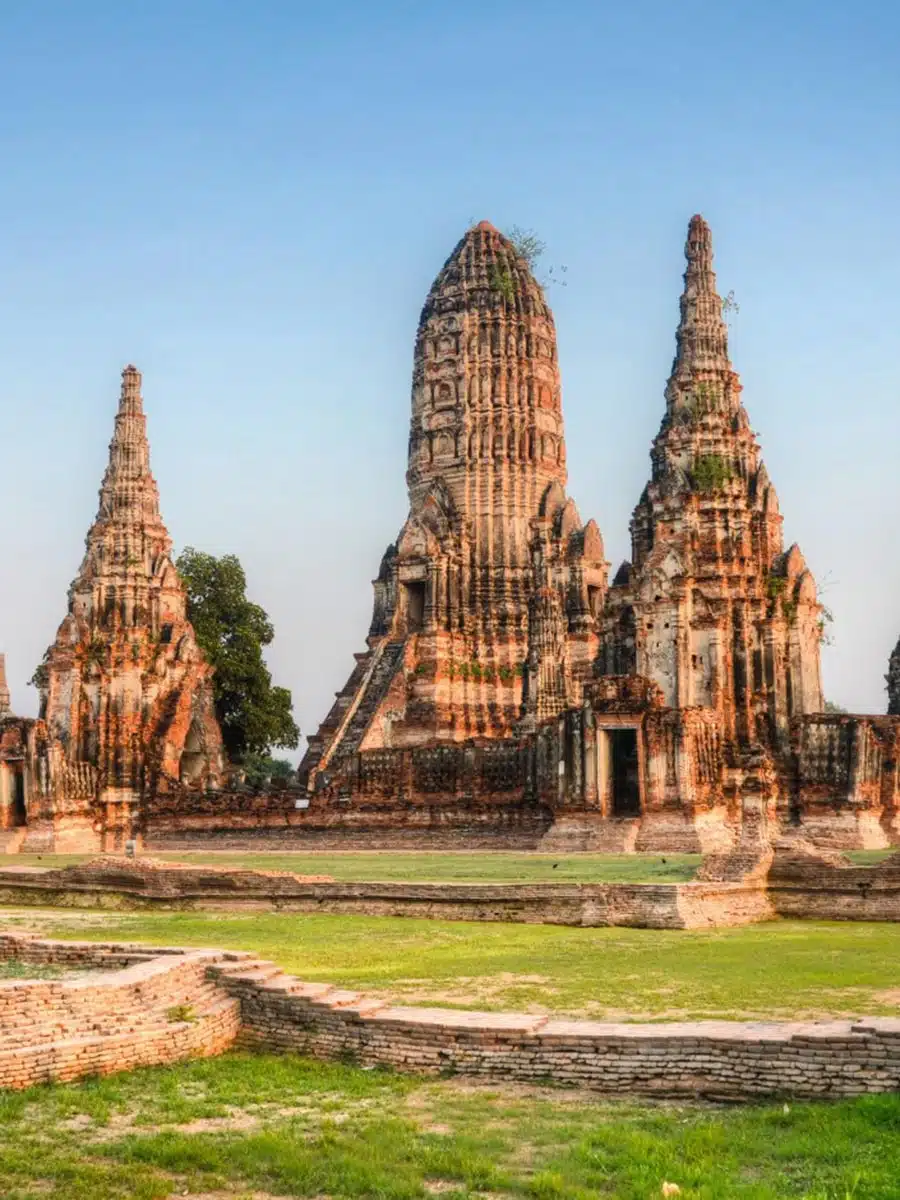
(342, 731)
(389, 657)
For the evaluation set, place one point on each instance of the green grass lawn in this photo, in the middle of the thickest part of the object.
(486, 866)
(783, 969)
(260, 1128)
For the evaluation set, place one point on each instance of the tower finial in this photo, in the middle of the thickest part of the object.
(5, 706)
(702, 336)
(130, 401)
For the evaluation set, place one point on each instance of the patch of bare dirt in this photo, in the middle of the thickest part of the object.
(467, 991)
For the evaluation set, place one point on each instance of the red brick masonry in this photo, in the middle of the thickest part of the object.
(117, 1018)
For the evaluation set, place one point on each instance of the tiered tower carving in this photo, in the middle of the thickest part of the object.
(711, 607)
(124, 687)
(487, 467)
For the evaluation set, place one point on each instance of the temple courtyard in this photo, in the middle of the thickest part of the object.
(263, 1126)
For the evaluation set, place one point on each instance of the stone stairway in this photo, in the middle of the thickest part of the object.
(389, 656)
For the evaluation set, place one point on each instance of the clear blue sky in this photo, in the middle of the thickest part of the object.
(250, 201)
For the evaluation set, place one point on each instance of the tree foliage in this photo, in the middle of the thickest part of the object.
(232, 631)
(261, 770)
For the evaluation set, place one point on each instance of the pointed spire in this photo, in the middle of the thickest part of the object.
(702, 336)
(5, 704)
(129, 491)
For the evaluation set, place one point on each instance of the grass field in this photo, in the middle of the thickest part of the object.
(262, 1128)
(487, 866)
(782, 969)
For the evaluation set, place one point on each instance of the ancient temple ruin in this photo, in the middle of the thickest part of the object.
(507, 686)
(491, 539)
(125, 692)
(508, 694)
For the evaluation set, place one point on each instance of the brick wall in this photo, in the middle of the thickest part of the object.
(712, 1059)
(145, 883)
(124, 1023)
(116, 1016)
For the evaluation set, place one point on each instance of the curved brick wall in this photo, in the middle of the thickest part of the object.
(113, 1017)
(713, 1059)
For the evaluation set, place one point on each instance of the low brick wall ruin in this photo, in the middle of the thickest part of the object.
(795, 881)
(720, 1060)
(117, 1016)
(142, 883)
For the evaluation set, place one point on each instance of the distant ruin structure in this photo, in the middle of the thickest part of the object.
(126, 703)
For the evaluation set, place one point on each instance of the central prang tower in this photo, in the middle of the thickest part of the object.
(489, 528)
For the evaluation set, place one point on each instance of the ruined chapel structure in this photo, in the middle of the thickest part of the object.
(126, 704)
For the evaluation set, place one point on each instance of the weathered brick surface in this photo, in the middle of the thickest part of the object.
(116, 1019)
(653, 906)
(715, 1059)
(112, 1018)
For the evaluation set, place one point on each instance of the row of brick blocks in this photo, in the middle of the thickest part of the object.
(120, 1015)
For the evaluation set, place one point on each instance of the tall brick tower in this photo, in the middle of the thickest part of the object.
(124, 686)
(711, 607)
(488, 515)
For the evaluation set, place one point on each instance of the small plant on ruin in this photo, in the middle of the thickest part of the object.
(180, 1013)
(711, 472)
(826, 616)
(501, 281)
(826, 620)
(40, 677)
(95, 651)
(703, 400)
(834, 709)
(530, 249)
(729, 306)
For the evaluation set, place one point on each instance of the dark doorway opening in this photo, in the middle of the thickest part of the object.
(19, 815)
(415, 605)
(626, 786)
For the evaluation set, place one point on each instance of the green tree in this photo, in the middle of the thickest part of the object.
(260, 770)
(232, 631)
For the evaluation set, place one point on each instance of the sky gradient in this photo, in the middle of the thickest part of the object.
(250, 202)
